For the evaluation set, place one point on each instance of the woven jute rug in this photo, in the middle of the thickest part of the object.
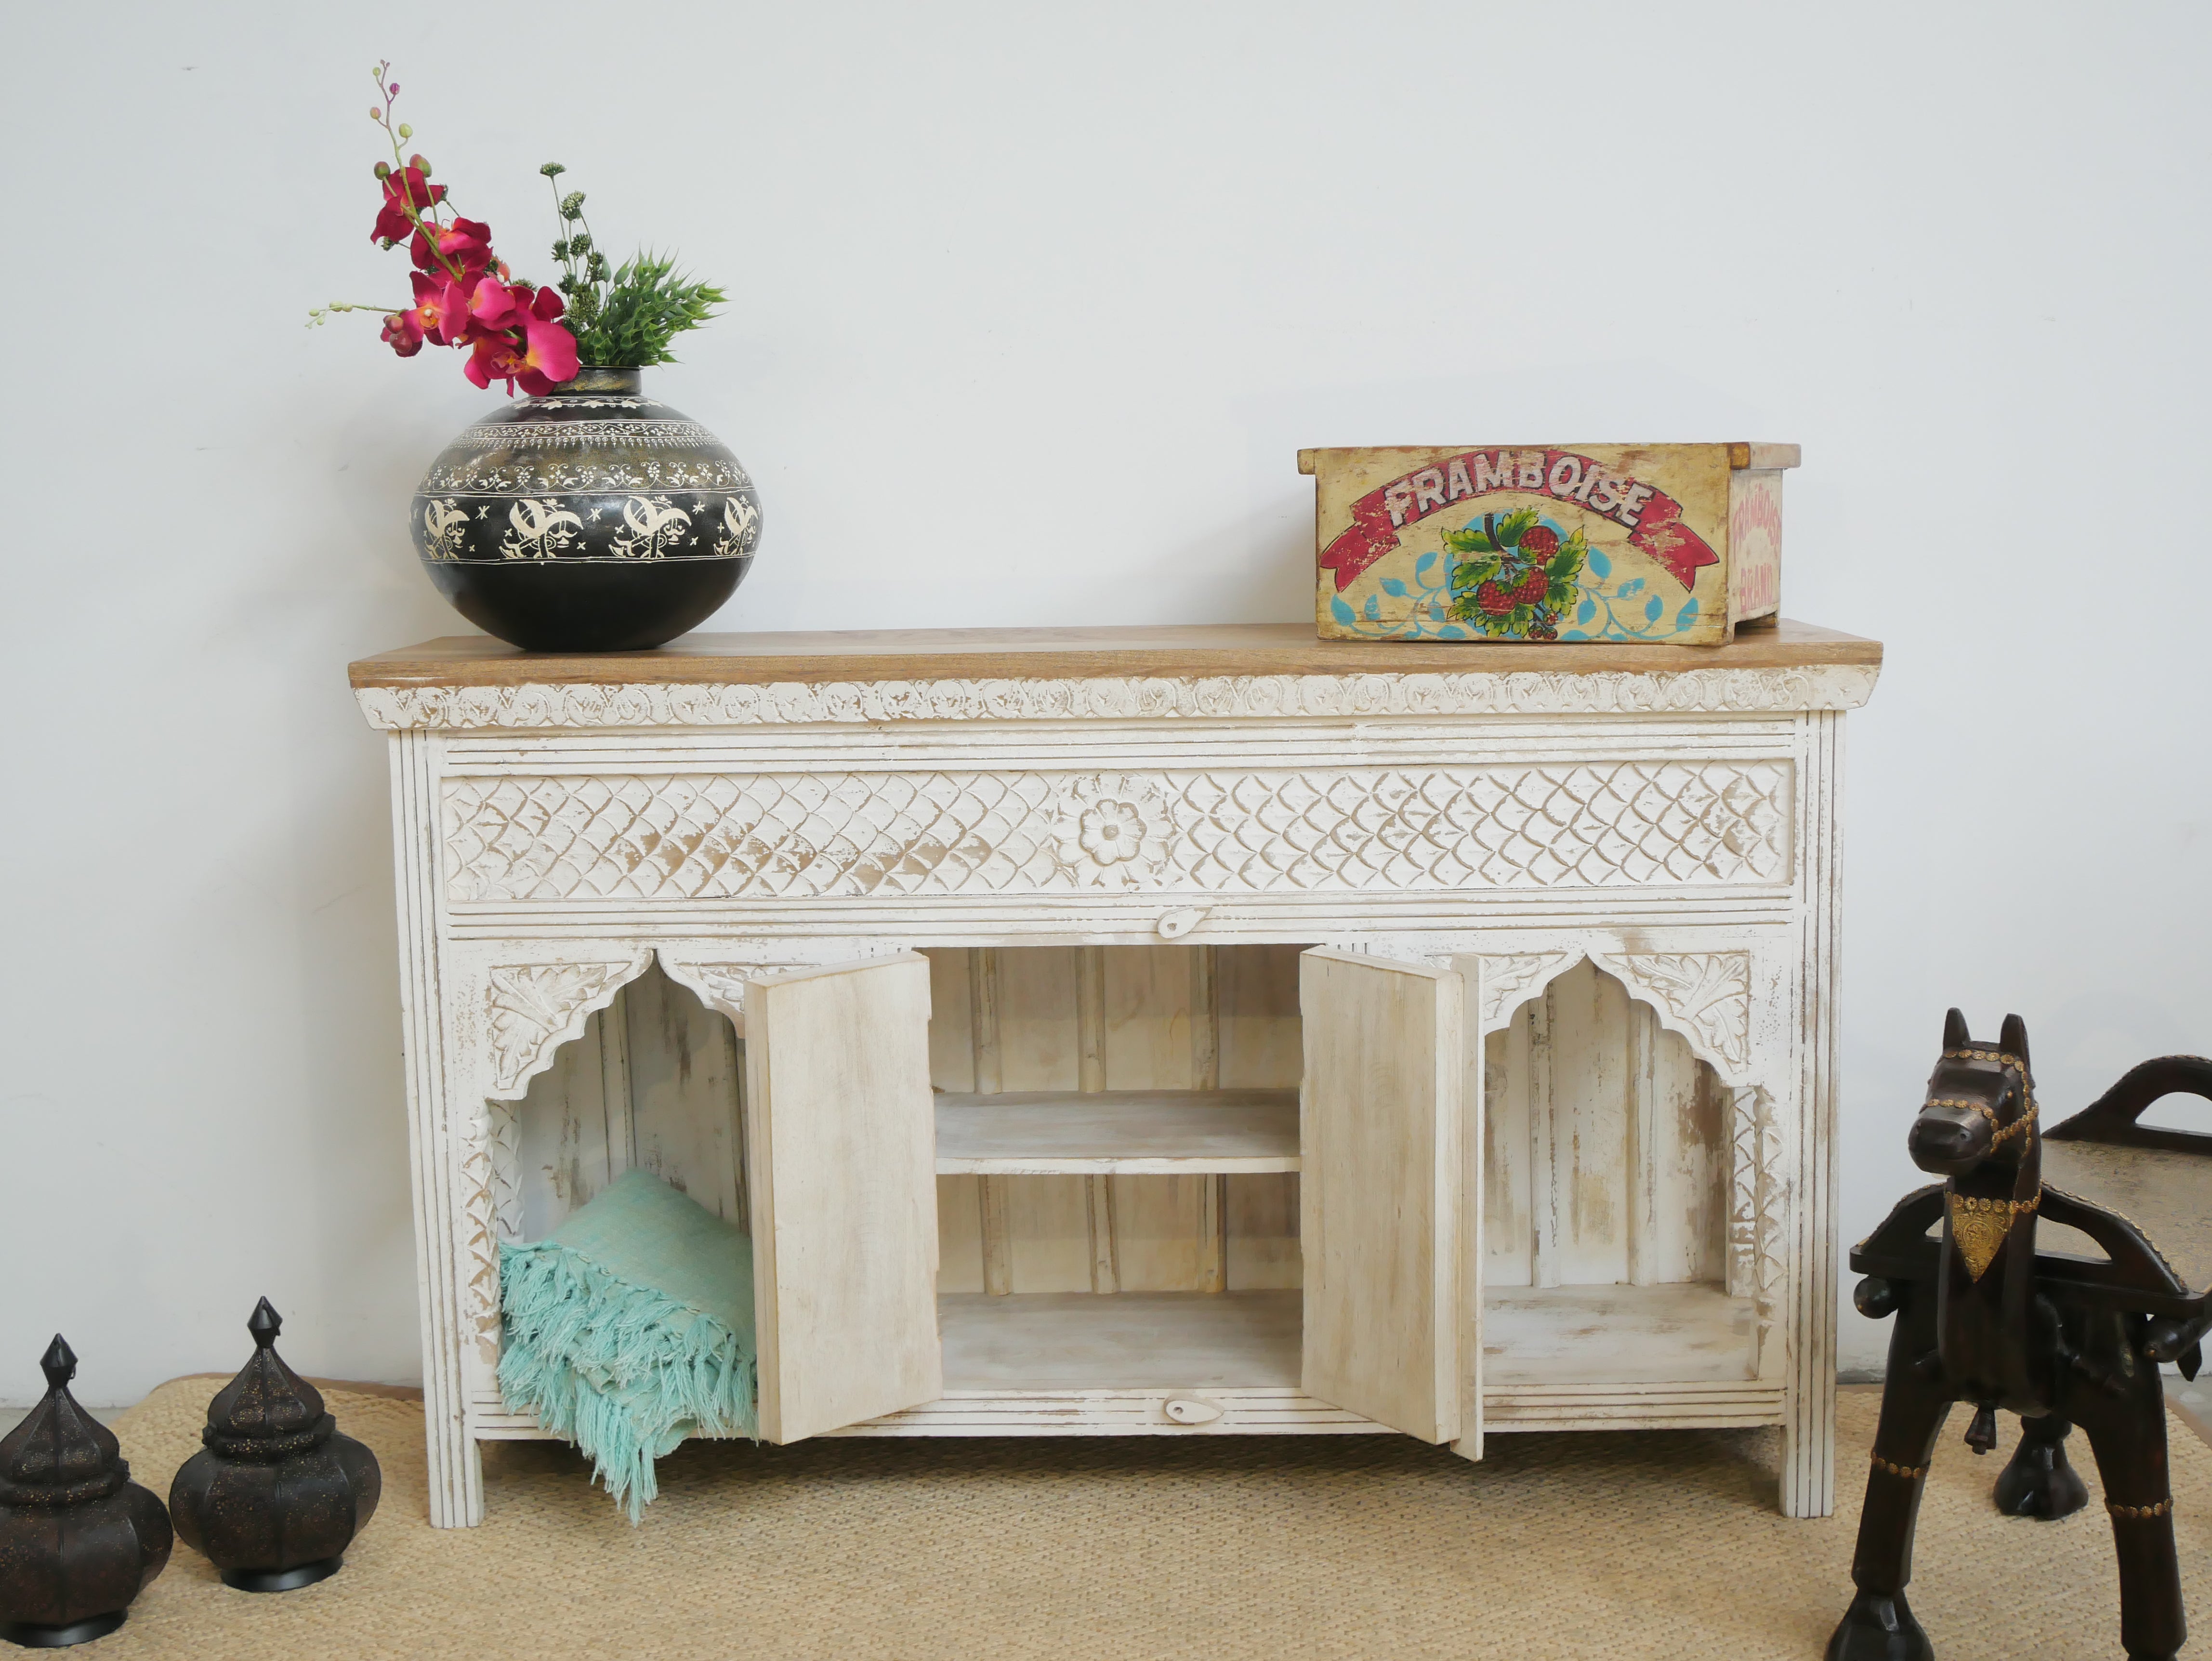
(1659, 1544)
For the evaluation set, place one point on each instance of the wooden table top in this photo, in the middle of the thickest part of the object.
(1177, 652)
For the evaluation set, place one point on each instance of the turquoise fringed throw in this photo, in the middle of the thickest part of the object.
(629, 1328)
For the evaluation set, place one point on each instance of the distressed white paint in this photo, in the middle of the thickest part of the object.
(839, 1144)
(1695, 996)
(1379, 1136)
(1628, 1129)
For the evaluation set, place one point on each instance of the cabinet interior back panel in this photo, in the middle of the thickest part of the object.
(1605, 1152)
(1115, 1018)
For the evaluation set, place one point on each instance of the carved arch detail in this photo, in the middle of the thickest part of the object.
(529, 1011)
(720, 983)
(1704, 997)
(532, 1009)
(1508, 981)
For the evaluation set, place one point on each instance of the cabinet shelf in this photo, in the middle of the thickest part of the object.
(1615, 1333)
(1126, 1341)
(1168, 1133)
(1189, 1340)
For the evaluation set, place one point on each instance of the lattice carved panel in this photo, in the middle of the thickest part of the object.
(1758, 1198)
(811, 836)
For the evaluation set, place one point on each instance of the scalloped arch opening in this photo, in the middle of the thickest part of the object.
(1610, 1145)
(654, 1078)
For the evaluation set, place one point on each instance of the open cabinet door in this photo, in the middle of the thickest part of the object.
(841, 1147)
(1379, 1188)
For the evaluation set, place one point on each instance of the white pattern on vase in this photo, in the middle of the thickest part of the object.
(445, 524)
(651, 526)
(540, 530)
(740, 528)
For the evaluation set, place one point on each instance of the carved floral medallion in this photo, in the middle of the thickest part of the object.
(1112, 832)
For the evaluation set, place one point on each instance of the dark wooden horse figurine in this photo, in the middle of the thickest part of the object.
(1983, 1318)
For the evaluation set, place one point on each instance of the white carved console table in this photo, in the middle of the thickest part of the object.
(1324, 1037)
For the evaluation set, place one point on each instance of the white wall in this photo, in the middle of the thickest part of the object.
(1033, 305)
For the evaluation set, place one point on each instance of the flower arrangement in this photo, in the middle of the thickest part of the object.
(521, 333)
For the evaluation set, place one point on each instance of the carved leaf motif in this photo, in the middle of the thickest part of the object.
(1832, 686)
(529, 1007)
(503, 1146)
(1507, 980)
(1706, 995)
(723, 985)
(1743, 1193)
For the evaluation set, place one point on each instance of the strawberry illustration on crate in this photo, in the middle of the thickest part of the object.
(1519, 575)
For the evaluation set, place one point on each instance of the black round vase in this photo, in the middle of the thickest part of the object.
(275, 1493)
(592, 520)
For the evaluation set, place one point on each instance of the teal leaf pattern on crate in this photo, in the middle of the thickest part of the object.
(1463, 593)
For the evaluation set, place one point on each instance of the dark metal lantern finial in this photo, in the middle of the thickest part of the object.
(58, 1363)
(264, 1324)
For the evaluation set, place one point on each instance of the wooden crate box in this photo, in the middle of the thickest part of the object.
(1672, 543)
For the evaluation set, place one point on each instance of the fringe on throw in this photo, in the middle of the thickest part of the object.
(622, 1371)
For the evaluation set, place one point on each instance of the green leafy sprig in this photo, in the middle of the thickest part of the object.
(625, 316)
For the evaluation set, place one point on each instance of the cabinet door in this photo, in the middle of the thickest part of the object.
(1379, 1182)
(841, 1143)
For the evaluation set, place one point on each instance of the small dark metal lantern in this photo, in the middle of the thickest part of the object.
(78, 1538)
(277, 1494)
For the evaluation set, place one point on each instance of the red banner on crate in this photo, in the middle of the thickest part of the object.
(1652, 518)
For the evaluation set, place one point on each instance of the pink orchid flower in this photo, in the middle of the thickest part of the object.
(465, 243)
(552, 350)
(496, 306)
(441, 309)
(404, 188)
(544, 356)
